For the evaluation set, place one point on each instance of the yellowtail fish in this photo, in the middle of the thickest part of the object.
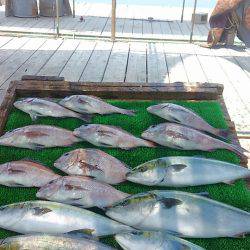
(94, 163)
(25, 173)
(148, 240)
(181, 214)
(38, 137)
(52, 242)
(182, 171)
(92, 105)
(110, 137)
(36, 107)
(56, 218)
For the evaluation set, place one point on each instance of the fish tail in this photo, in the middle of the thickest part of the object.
(85, 117)
(223, 133)
(237, 149)
(127, 112)
(148, 144)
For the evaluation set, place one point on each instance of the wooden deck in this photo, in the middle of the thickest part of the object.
(131, 23)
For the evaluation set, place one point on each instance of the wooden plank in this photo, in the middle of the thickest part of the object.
(117, 65)
(119, 26)
(78, 61)
(95, 69)
(33, 65)
(137, 28)
(4, 40)
(147, 29)
(11, 47)
(128, 28)
(156, 30)
(157, 67)
(137, 63)
(57, 62)
(193, 68)
(166, 31)
(13, 63)
(244, 63)
(185, 30)
(107, 29)
(176, 69)
(176, 31)
(119, 90)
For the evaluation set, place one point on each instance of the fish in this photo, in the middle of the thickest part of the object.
(38, 137)
(80, 191)
(181, 214)
(148, 240)
(52, 242)
(183, 171)
(94, 163)
(25, 173)
(179, 114)
(185, 138)
(37, 107)
(92, 105)
(56, 218)
(110, 137)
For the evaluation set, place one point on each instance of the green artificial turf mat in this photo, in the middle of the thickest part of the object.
(236, 195)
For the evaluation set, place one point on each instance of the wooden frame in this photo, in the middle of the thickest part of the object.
(56, 87)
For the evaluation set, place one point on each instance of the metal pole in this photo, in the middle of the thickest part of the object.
(113, 28)
(182, 13)
(192, 29)
(74, 9)
(57, 19)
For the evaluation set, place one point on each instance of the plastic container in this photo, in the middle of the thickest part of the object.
(25, 8)
(48, 8)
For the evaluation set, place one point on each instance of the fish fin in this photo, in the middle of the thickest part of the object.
(128, 112)
(36, 146)
(239, 236)
(223, 133)
(204, 194)
(170, 202)
(102, 144)
(39, 211)
(231, 183)
(85, 117)
(33, 117)
(237, 149)
(85, 233)
(178, 167)
(174, 119)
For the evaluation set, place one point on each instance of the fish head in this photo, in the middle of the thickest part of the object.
(139, 240)
(158, 109)
(133, 209)
(10, 214)
(67, 102)
(24, 104)
(86, 131)
(50, 190)
(149, 173)
(153, 132)
(67, 160)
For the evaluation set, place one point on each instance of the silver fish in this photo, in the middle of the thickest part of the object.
(149, 240)
(56, 218)
(36, 107)
(52, 242)
(181, 214)
(184, 138)
(110, 136)
(179, 114)
(184, 171)
(38, 137)
(80, 191)
(25, 173)
(92, 105)
(94, 163)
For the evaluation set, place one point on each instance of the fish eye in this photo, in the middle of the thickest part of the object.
(124, 203)
(66, 154)
(143, 169)
(153, 126)
(137, 233)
